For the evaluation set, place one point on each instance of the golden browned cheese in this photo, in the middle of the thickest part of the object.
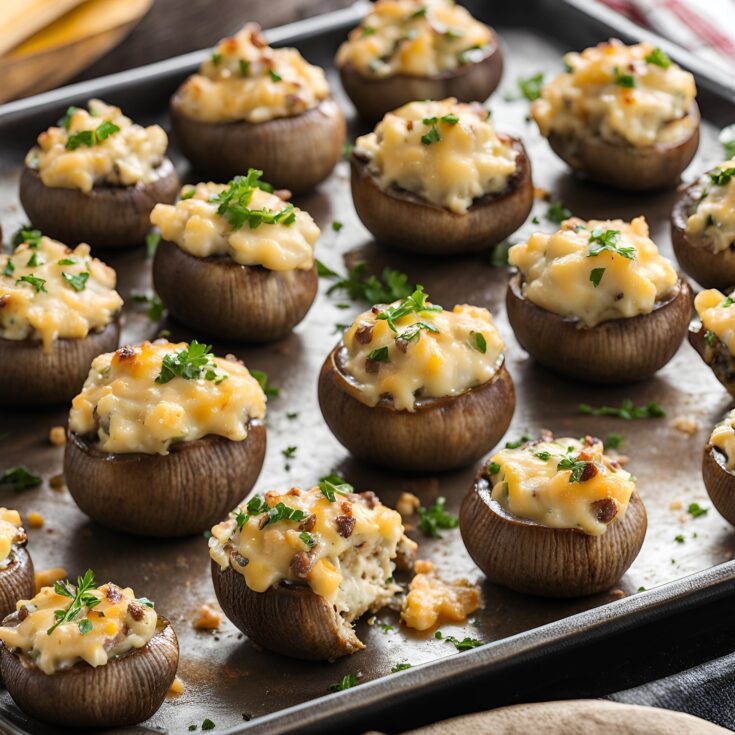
(717, 313)
(712, 224)
(595, 270)
(129, 408)
(616, 92)
(415, 37)
(245, 79)
(128, 156)
(431, 600)
(445, 152)
(11, 533)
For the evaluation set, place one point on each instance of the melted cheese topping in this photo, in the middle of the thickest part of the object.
(431, 600)
(420, 38)
(444, 362)
(712, 224)
(129, 411)
(52, 308)
(717, 313)
(596, 97)
(119, 623)
(723, 437)
(194, 225)
(531, 484)
(466, 162)
(11, 535)
(347, 557)
(245, 79)
(127, 157)
(557, 271)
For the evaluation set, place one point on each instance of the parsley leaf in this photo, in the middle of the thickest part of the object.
(191, 363)
(626, 410)
(333, 485)
(499, 255)
(27, 235)
(721, 176)
(695, 510)
(9, 268)
(19, 478)
(614, 440)
(152, 301)
(478, 342)
(659, 57)
(596, 275)
(347, 682)
(607, 240)
(65, 121)
(391, 286)
(416, 303)
(270, 390)
(81, 597)
(727, 138)
(557, 213)
(77, 282)
(623, 80)
(400, 667)
(464, 645)
(531, 86)
(434, 517)
(38, 283)
(324, 271)
(577, 467)
(492, 469)
(308, 539)
(91, 138)
(153, 238)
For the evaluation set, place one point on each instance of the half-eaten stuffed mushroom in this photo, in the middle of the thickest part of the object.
(58, 310)
(87, 656)
(236, 260)
(164, 438)
(597, 301)
(252, 105)
(435, 178)
(96, 177)
(318, 559)
(407, 50)
(621, 115)
(554, 517)
(703, 227)
(714, 336)
(718, 467)
(17, 580)
(414, 387)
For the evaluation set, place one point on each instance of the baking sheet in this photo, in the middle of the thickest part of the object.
(227, 679)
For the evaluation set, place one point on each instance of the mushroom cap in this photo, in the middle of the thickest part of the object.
(294, 152)
(719, 481)
(179, 494)
(108, 217)
(125, 691)
(287, 618)
(540, 560)
(30, 376)
(220, 297)
(717, 356)
(17, 581)
(624, 166)
(441, 434)
(374, 96)
(410, 223)
(709, 269)
(615, 351)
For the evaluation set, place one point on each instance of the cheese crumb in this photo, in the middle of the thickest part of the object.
(209, 617)
(57, 436)
(177, 687)
(423, 566)
(35, 520)
(675, 505)
(686, 424)
(431, 600)
(407, 504)
(56, 482)
(46, 577)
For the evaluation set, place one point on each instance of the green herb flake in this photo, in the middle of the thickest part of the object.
(544, 456)
(81, 598)
(207, 724)
(244, 67)
(531, 86)
(90, 138)
(77, 282)
(308, 539)
(19, 478)
(190, 363)
(433, 136)
(145, 601)
(434, 517)
(625, 411)
(337, 226)
(366, 31)
(623, 80)
(679, 538)
(324, 271)
(499, 255)
(727, 138)
(518, 442)
(576, 467)
(270, 390)
(710, 337)
(9, 268)
(596, 275)
(65, 121)
(721, 176)
(85, 626)
(152, 239)
(216, 58)
(695, 510)
(291, 415)
(333, 485)
(557, 213)
(492, 469)
(347, 682)
(67, 261)
(275, 76)
(38, 283)
(659, 57)
(26, 235)
(607, 240)
(416, 303)
(33, 260)
(399, 667)
(478, 342)
(420, 13)
(380, 354)
(614, 441)
(391, 286)
(464, 645)
(153, 303)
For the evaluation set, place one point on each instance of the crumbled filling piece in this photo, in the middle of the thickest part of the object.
(712, 223)
(723, 437)
(431, 600)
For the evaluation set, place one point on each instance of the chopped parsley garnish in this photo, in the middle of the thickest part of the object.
(289, 453)
(81, 597)
(464, 645)
(91, 138)
(244, 67)
(153, 238)
(727, 138)
(499, 255)
(216, 58)
(367, 31)
(275, 76)
(577, 467)
(679, 538)
(270, 390)
(434, 517)
(379, 354)
(283, 512)
(623, 80)
(727, 301)
(557, 213)
(9, 268)
(399, 667)
(19, 478)
(77, 282)
(413, 332)
(207, 724)
(33, 260)
(255, 506)
(333, 485)
(38, 283)
(493, 468)
(65, 121)
(27, 235)
(544, 456)
(191, 363)
(391, 286)
(614, 440)
(472, 54)
(434, 135)
(531, 86)
(478, 342)
(152, 301)
(67, 261)
(659, 57)
(518, 443)
(291, 415)
(695, 510)
(710, 337)
(347, 682)
(721, 176)
(324, 271)
(337, 226)
(596, 275)
(607, 240)
(145, 601)
(413, 304)
(420, 13)
(308, 539)
(626, 410)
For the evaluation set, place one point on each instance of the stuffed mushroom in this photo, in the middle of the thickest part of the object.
(414, 387)
(319, 558)
(164, 438)
(718, 467)
(554, 517)
(703, 227)
(407, 50)
(236, 260)
(17, 579)
(596, 301)
(58, 310)
(96, 177)
(87, 656)
(435, 178)
(252, 105)
(621, 115)
(713, 337)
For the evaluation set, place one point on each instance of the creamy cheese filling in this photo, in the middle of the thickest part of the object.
(634, 95)
(594, 271)
(712, 224)
(342, 544)
(146, 397)
(717, 313)
(562, 483)
(49, 291)
(110, 624)
(445, 152)
(256, 227)
(415, 37)
(245, 79)
(723, 437)
(100, 145)
(430, 600)
(424, 352)
(12, 534)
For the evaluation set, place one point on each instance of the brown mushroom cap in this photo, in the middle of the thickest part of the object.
(625, 166)
(406, 221)
(719, 481)
(17, 581)
(374, 96)
(30, 376)
(716, 355)
(125, 691)
(288, 618)
(178, 494)
(222, 298)
(108, 217)
(294, 153)
(616, 351)
(441, 434)
(540, 560)
(709, 269)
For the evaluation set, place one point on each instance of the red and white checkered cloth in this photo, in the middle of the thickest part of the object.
(704, 27)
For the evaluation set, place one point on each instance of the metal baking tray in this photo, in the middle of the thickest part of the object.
(244, 689)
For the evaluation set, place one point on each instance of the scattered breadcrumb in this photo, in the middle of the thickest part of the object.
(676, 505)
(177, 687)
(57, 436)
(56, 482)
(46, 577)
(209, 617)
(686, 424)
(35, 520)
(407, 504)
(423, 566)
(540, 193)
(617, 593)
